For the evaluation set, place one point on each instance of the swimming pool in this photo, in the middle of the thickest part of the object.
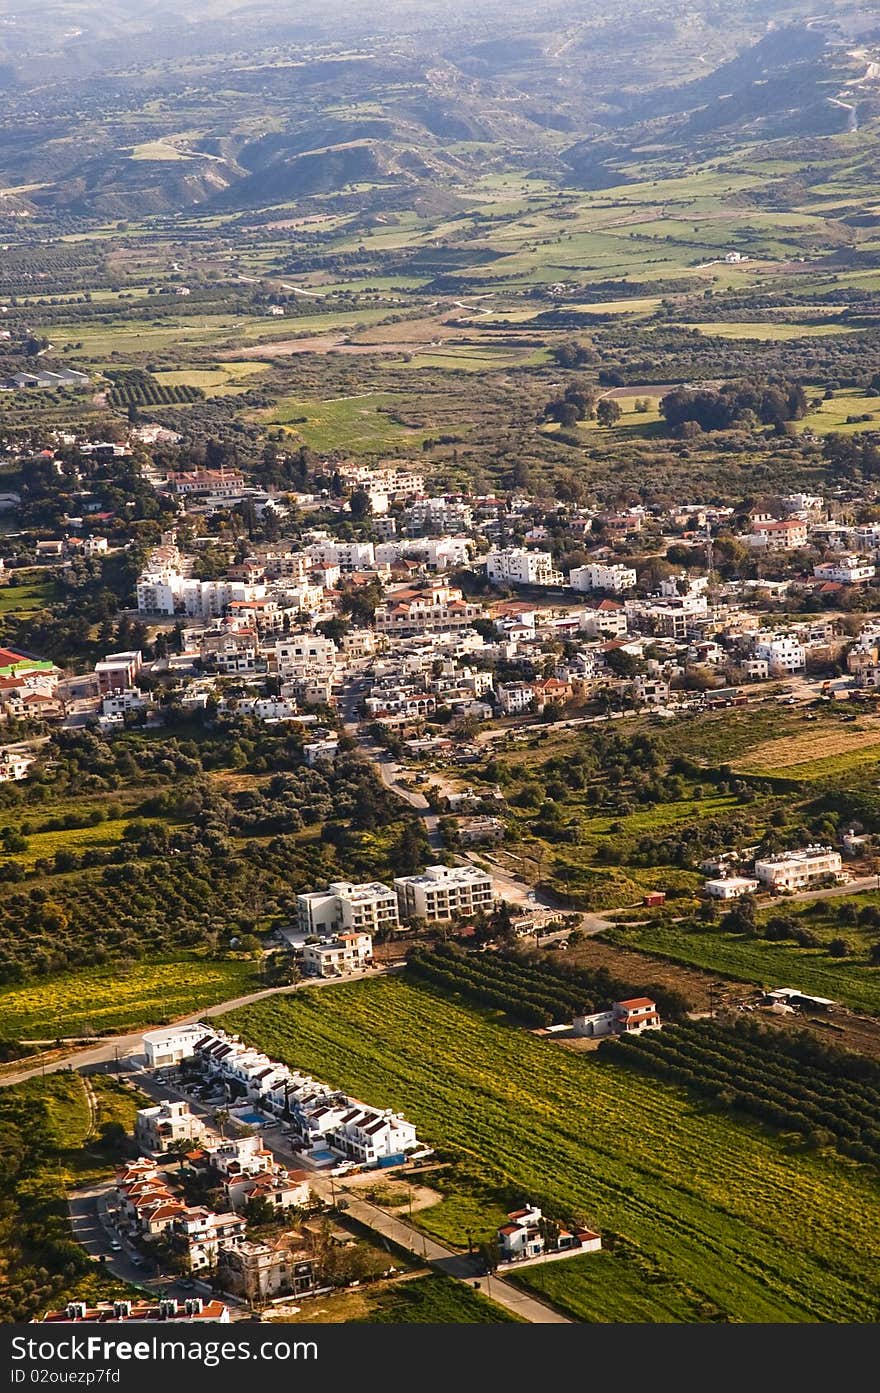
(323, 1158)
(253, 1119)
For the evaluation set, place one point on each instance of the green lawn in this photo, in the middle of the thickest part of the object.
(756, 1231)
(119, 998)
(601, 1287)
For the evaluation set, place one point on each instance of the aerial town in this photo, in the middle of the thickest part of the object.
(439, 669)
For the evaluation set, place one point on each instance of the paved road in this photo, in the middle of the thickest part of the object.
(458, 1265)
(109, 1048)
(378, 1221)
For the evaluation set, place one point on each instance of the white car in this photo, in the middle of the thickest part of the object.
(343, 1168)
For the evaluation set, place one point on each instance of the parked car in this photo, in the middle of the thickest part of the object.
(114, 1246)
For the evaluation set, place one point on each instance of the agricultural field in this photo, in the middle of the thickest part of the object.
(817, 751)
(851, 980)
(28, 598)
(434, 1300)
(623, 1286)
(107, 1000)
(756, 1230)
(364, 423)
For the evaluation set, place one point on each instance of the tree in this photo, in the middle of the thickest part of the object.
(360, 504)
(608, 412)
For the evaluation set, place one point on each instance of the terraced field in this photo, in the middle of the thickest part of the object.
(744, 1227)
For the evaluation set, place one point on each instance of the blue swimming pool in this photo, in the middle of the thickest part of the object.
(323, 1157)
(253, 1119)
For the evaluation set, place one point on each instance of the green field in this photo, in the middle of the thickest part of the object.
(434, 1300)
(749, 1228)
(767, 964)
(28, 598)
(114, 999)
(359, 423)
(601, 1287)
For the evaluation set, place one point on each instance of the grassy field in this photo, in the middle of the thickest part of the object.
(76, 839)
(28, 598)
(600, 1287)
(360, 423)
(796, 756)
(767, 964)
(114, 999)
(434, 1300)
(753, 1229)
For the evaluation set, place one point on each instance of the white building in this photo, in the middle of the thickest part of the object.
(848, 570)
(305, 656)
(437, 517)
(781, 652)
(442, 892)
(730, 887)
(598, 577)
(368, 907)
(171, 1045)
(158, 591)
(157, 1129)
(333, 957)
(625, 1018)
(348, 556)
(522, 1238)
(516, 566)
(793, 870)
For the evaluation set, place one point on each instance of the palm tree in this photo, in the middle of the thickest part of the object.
(220, 1119)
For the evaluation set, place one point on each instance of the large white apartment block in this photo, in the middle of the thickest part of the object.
(781, 653)
(348, 556)
(442, 892)
(208, 599)
(793, 870)
(516, 566)
(159, 1128)
(438, 517)
(169, 1046)
(847, 570)
(397, 485)
(344, 906)
(333, 957)
(159, 591)
(599, 577)
(302, 656)
(324, 1118)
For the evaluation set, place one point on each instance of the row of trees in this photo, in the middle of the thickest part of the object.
(740, 1067)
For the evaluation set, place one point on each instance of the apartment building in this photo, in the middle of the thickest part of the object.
(438, 517)
(163, 1048)
(333, 957)
(299, 657)
(516, 566)
(444, 892)
(159, 1128)
(348, 556)
(367, 908)
(614, 578)
(432, 609)
(259, 1271)
(781, 652)
(784, 535)
(794, 870)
